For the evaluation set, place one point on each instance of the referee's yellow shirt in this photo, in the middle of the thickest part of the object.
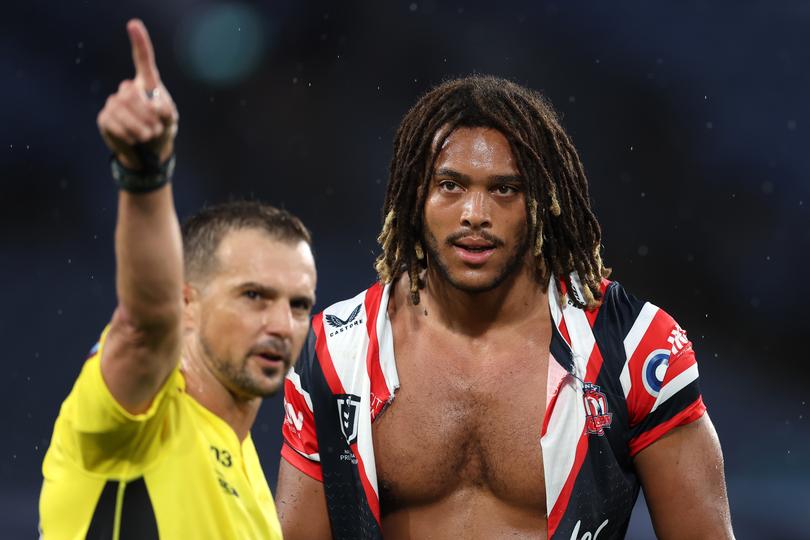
(175, 471)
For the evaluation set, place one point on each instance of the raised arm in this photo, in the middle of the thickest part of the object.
(143, 345)
(684, 485)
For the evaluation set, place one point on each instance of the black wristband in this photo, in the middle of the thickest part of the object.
(142, 181)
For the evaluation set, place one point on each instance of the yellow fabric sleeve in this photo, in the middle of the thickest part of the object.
(100, 436)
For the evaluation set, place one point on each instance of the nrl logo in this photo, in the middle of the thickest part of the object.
(351, 321)
(347, 411)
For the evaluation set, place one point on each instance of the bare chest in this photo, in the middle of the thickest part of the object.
(466, 416)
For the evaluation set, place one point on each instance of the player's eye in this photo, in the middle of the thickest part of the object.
(506, 189)
(449, 185)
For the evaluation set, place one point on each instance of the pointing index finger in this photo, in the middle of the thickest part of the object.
(143, 55)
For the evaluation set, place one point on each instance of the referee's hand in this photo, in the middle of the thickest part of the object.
(141, 112)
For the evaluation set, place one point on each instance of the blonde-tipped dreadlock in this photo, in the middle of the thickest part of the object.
(564, 231)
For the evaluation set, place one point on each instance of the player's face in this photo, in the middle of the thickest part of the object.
(254, 310)
(475, 211)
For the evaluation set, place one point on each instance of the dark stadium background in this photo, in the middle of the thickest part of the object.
(692, 121)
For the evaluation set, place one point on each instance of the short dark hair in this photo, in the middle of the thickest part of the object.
(563, 232)
(203, 232)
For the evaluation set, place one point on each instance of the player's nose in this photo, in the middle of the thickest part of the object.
(475, 212)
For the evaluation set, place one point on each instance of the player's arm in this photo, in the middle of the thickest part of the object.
(684, 485)
(144, 340)
(301, 505)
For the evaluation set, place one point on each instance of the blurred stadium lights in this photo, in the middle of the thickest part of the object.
(222, 43)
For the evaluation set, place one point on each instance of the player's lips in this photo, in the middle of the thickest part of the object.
(474, 250)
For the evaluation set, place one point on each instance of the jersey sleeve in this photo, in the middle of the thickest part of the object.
(94, 432)
(300, 448)
(660, 378)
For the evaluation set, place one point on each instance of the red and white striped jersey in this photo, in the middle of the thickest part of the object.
(623, 375)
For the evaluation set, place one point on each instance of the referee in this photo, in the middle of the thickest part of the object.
(154, 438)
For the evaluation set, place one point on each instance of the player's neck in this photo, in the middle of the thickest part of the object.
(203, 385)
(519, 298)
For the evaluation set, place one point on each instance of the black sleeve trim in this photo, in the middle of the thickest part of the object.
(671, 408)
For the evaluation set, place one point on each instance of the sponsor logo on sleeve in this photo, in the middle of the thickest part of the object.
(654, 370)
(295, 419)
(677, 339)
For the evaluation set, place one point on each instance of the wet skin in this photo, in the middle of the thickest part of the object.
(458, 451)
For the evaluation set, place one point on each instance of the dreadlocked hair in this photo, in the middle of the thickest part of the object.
(564, 234)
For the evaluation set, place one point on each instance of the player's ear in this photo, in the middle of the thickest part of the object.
(191, 306)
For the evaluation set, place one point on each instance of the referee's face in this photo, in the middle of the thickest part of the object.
(254, 311)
